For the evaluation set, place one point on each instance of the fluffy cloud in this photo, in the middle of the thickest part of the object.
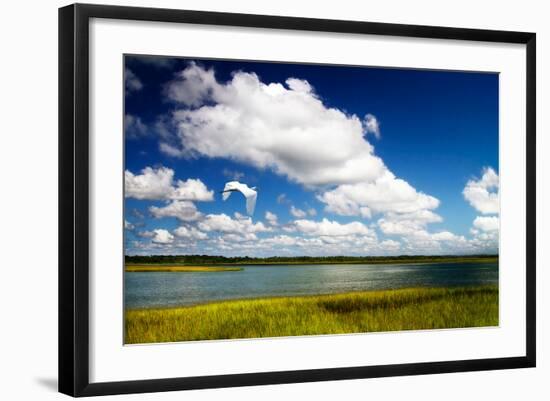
(193, 190)
(287, 129)
(158, 184)
(326, 227)
(190, 233)
(182, 210)
(192, 86)
(150, 184)
(128, 225)
(298, 213)
(483, 241)
(487, 223)
(281, 240)
(241, 237)
(271, 218)
(411, 228)
(420, 216)
(390, 245)
(299, 85)
(225, 224)
(310, 244)
(328, 245)
(131, 81)
(407, 223)
(483, 194)
(146, 234)
(184, 239)
(385, 194)
(445, 236)
(417, 234)
(404, 227)
(372, 126)
(162, 236)
(443, 242)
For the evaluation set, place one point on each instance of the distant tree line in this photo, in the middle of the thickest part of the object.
(214, 259)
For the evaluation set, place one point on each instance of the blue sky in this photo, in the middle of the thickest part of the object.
(347, 160)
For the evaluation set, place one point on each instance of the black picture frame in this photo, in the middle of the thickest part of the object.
(74, 201)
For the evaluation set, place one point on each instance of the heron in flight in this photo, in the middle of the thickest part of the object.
(249, 193)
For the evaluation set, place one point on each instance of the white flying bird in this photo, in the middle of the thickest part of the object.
(249, 193)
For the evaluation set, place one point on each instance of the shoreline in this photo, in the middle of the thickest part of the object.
(302, 263)
(474, 287)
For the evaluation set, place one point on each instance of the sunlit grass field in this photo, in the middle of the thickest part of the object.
(356, 312)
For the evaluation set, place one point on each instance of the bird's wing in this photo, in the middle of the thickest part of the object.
(251, 202)
(247, 192)
(250, 196)
(229, 186)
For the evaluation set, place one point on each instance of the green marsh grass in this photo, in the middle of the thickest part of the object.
(355, 312)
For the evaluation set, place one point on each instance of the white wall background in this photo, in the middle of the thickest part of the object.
(28, 201)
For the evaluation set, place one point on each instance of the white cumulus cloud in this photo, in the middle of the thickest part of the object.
(390, 245)
(407, 223)
(150, 184)
(385, 194)
(182, 210)
(285, 128)
(327, 227)
(162, 236)
(193, 190)
(298, 213)
(483, 194)
(190, 233)
(192, 86)
(225, 224)
(271, 218)
(487, 223)
(158, 184)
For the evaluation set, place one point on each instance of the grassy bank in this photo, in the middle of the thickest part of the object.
(179, 269)
(391, 310)
(313, 261)
(377, 261)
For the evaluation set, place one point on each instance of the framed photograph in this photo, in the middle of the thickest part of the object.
(250, 199)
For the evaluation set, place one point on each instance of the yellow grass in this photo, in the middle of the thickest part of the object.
(356, 312)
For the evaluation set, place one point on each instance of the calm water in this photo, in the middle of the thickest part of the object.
(144, 290)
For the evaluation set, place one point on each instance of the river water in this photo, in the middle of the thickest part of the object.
(159, 289)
